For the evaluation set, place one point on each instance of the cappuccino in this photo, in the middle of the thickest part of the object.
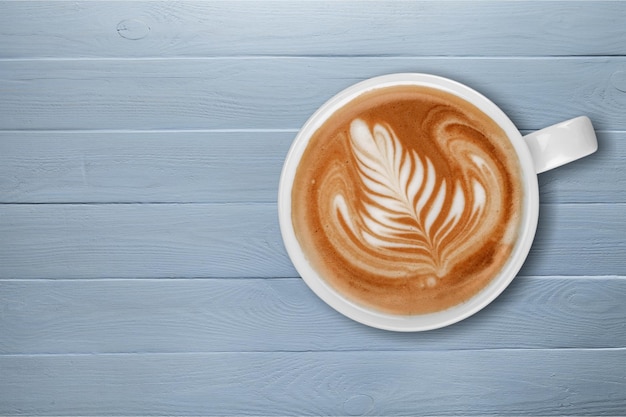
(407, 200)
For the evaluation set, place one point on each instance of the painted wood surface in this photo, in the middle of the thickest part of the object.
(142, 271)
(243, 240)
(233, 28)
(282, 92)
(535, 382)
(197, 167)
(269, 315)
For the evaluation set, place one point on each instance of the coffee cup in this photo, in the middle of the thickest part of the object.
(409, 202)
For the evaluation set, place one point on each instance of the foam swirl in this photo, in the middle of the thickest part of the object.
(411, 214)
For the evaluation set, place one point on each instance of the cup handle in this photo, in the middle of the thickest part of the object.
(562, 143)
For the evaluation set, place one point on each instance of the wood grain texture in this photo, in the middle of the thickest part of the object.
(128, 240)
(191, 28)
(142, 167)
(256, 315)
(600, 178)
(281, 93)
(142, 271)
(219, 167)
(493, 382)
(243, 240)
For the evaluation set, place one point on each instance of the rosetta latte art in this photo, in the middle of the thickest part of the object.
(408, 200)
(421, 221)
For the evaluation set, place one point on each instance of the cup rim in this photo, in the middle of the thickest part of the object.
(420, 322)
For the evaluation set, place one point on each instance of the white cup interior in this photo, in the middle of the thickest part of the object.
(419, 322)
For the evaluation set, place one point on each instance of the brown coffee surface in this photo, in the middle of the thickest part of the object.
(408, 200)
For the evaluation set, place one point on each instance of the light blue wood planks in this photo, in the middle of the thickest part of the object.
(191, 28)
(134, 240)
(266, 315)
(600, 178)
(243, 240)
(470, 382)
(219, 167)
(141, 266)
(142, 167)
(281, 93)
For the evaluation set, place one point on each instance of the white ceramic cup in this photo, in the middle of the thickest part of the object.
(537, 152)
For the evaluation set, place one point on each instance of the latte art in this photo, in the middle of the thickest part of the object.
(410, 213)
(407, 200)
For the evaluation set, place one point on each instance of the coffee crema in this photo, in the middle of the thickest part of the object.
(407, 200)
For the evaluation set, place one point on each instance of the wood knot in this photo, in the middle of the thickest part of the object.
(618, 80)
(132, 29)
(358, 405)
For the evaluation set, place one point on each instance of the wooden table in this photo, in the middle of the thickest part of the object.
(142, 270)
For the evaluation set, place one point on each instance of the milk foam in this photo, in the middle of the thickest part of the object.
(408, 202)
